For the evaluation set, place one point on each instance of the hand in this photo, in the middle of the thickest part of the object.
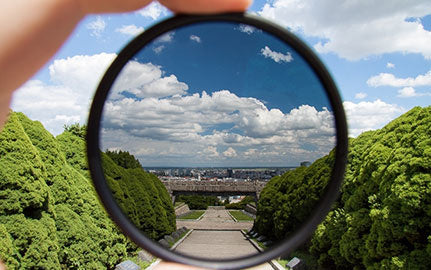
(173, 266)
(34, 30)
(177, 6)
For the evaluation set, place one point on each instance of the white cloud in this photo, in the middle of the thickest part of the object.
(356, 29)
(97, 26)
(147, 80)
(360, 95)
(229, 153)
(388, 79)
(276, 56)
(390, 65)
(66, 100)
(246, 29)
(195, 38)
(159, 49)
(251, 152)
(153, 10)
(407, 92)
(165, 38)
(131, 30)
(190, 124)
(364, 116)
(211, 151)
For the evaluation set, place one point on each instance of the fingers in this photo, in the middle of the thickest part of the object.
(110, 6)
(175, 266)
(206, 6)
(178, 6)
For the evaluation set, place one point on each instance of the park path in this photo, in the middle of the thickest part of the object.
(215, 219)
(217, 236)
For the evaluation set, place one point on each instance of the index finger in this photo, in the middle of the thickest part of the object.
(206, 6)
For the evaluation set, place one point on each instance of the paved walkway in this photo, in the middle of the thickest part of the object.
(219, 245)
(218, 236)
(215, 220)
(216, 244)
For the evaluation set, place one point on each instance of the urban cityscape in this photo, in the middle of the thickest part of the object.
(220, 173)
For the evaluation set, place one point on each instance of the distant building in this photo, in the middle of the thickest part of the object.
(229, 173)
(305, 163)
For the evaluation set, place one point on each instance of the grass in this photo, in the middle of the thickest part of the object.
(240, 216)
(283, 263)
(178, 204)
(138, 262)
(193, 215)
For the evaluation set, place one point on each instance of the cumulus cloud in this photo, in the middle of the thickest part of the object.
(195, 125)
(159, 49)
(97, 26)
(153, 10)
(360, 95)
(355, 30)
(407, 92)
(276, 56)
(195, 38)
(364, 116)
(211, 151)
(390, 65)
(229, 153)
(147, 80)
(248, 29)
(388, 79)
(130, 30)
(66, 100)
(165, 38)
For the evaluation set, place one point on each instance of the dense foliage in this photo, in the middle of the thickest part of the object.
(124, 159)
(288, 200)
(143, 198)
(199, 202)
(50, 217)
(382, 219)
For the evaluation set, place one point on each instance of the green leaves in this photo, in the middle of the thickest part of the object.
(287, 201)
(383, 217)
(386, 198)
(50, 217)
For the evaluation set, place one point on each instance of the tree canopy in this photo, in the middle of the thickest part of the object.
(50, 217)
(382, 219)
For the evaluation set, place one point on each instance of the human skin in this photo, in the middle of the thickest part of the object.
(32, 31)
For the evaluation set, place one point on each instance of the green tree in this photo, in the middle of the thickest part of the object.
(382, 219)
(26, 203)
(385, 200)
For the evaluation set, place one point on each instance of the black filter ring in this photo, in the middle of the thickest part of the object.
(94, 157)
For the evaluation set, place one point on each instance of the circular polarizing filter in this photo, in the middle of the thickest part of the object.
(226, 125)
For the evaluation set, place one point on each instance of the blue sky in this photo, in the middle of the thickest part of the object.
(378, 54)
(221, 94)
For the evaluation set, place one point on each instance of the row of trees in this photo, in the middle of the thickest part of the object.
(288, 200)
(382, 219)
(142, 196)
(50, 217)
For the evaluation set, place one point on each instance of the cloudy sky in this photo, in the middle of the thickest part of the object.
(378, 54)
(218, 94)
